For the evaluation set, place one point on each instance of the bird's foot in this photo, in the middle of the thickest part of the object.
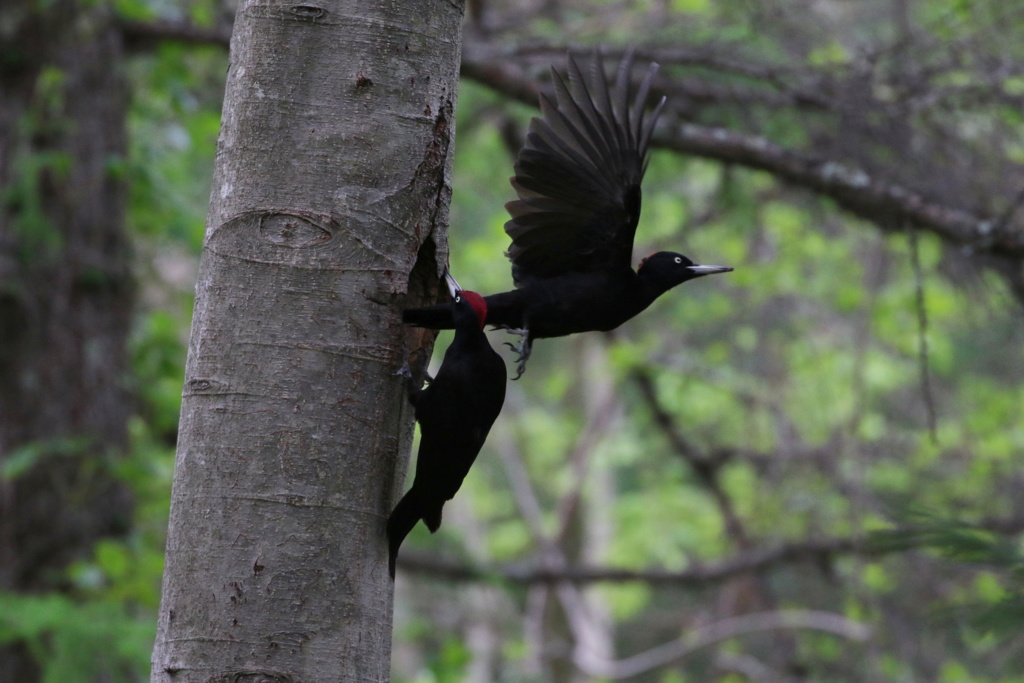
(421, 364)
(523, 349)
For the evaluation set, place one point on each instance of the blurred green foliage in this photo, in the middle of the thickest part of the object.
(102, 629)
(78, 640)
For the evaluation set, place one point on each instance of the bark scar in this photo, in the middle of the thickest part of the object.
(431, 171)
(307, 12)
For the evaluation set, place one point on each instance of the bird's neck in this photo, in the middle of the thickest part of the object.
(650, 288)
(468, 339)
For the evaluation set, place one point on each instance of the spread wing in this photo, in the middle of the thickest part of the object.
(578, 175)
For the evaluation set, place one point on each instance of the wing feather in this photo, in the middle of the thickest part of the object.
(578, 175)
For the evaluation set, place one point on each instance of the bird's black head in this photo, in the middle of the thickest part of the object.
(666, 269)
(468, 308)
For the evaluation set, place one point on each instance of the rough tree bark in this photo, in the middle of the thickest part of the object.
(328, 208)
(66, 294)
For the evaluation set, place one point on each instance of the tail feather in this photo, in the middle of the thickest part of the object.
(432, 516)
(403, 518)
(413, 507)
(438, 317)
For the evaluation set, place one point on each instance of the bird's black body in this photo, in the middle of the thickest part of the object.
(578, 180)
(574, 302)
(455, 412)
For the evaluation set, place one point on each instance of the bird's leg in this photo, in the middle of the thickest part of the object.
(421, 366)
(412, 387)
(524, 348)
(423, 362)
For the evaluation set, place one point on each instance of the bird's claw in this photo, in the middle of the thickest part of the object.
(404, 371)
(421, 362)
(523, 349)
(520, 369)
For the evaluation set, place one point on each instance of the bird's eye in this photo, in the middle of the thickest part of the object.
(458, 299)
(678, 260)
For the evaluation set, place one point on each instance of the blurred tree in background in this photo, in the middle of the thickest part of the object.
(66, 301)
(807, 469)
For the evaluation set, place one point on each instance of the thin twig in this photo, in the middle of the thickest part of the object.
(703, 467)
(1007, 215)
(922, 335)
(725, 629)
(552, 557)
(144, 34)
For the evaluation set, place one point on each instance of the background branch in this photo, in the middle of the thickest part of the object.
(886, 204)
(820, 552)
(725, 629)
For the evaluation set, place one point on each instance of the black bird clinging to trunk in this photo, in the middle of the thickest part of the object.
(578, 180)
(455, 412)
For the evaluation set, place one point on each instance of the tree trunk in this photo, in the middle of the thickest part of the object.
(328, 208)
(66, 294)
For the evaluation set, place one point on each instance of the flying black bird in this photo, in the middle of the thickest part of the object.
(455, 412)
(578, 181)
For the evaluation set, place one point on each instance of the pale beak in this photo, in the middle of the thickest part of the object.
(708, 270)
(453, 286)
